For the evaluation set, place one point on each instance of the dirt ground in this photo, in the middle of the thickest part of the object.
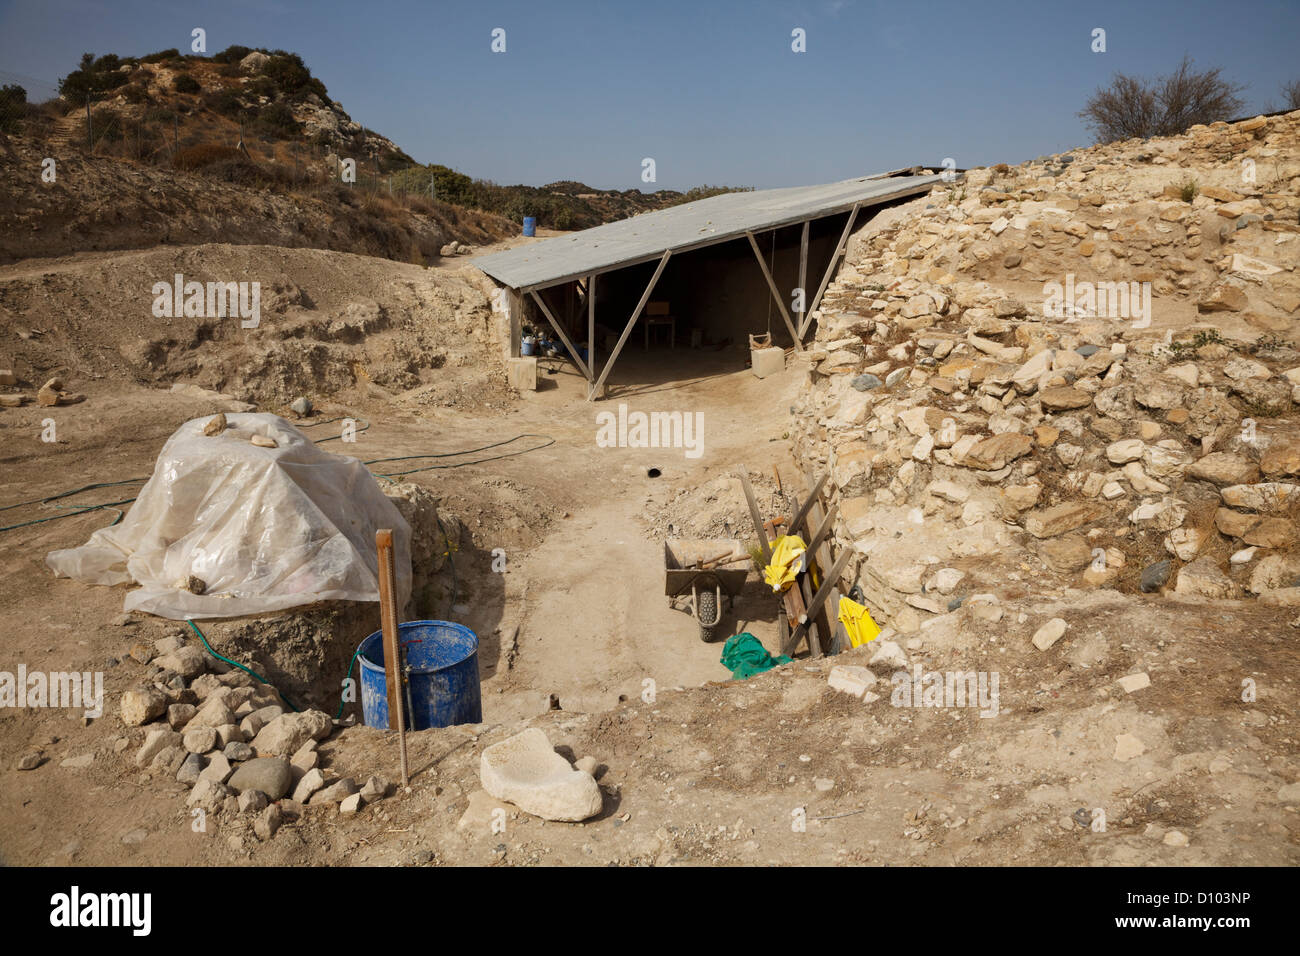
(578, 638)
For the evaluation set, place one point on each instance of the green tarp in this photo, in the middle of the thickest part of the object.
(745, 656)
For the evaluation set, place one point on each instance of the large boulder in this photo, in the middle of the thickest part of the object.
(270, 775)
(526, 771)
(287, 733)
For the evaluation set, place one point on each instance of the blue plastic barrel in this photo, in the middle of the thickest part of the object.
(443, 658)
(527, 347)
(530, 225)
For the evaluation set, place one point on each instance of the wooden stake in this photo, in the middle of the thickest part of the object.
(392, 644)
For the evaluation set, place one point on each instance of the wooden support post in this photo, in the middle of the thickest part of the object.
(591, 335)
(636, 314)
(830, 269)
(573, 352)
(771, 284)
(515, 316)
(803, 275)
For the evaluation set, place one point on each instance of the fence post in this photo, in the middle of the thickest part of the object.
(90, 134)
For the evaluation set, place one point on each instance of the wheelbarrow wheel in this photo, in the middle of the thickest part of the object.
(708, 611)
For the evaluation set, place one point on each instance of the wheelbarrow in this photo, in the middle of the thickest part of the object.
(699, 572)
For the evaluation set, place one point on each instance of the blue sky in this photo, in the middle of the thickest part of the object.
(711, 91)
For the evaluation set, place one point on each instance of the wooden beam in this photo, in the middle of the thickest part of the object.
(803, 274)
(830, 268)
(771, 284)
(636, 314)
(573, 352)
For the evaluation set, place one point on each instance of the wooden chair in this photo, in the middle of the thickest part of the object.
(656, 313)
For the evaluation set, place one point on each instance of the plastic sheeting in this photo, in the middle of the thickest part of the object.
(263, 528)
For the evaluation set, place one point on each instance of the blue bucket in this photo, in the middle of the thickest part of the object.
(527, 347)
(443, 658)
(530, 225)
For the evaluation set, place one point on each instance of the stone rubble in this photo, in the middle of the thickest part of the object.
(1021, 443)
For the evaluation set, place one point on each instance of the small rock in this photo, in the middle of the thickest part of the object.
(140, 705)
(200, 740)
(851, 680)
(190, 770)
(350, 805)
(218, 770)
(301, 407)
(264, 441)
(30, 761)
(1127, 747)
(1049, 633)
(335, 792)
(376, 788)
(1135, 682)
(268, 822)
(252, 801)
(1175, 838)
(237, 750)
(1155, 576)
(216, 426)
(312, 781)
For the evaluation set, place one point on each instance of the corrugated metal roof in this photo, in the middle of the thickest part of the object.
(704, 222)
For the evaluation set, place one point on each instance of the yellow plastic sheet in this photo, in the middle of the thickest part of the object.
(786, 552)
(857, 622)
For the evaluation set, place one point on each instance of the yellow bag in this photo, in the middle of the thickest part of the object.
(857, 622)
(786, 552)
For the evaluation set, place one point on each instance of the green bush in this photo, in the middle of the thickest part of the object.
(276, 120)
(232, 54)
(292, 78)
(161, 55)
(13, 106)
(224, 103)
(184, 83)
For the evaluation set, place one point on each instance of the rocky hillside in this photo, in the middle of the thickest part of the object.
(998, 421)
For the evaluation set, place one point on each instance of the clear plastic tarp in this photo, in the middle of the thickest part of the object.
(254, 529)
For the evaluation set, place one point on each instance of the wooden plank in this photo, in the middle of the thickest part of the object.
(820, 598)
(819, 536)
(573, 352)
(830, 268)
(756, 517)
(813, 635)
(797, 520)
(771, 284)
(636, 313)
(828, 616)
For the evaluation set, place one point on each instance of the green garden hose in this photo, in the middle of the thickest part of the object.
(246, 670)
